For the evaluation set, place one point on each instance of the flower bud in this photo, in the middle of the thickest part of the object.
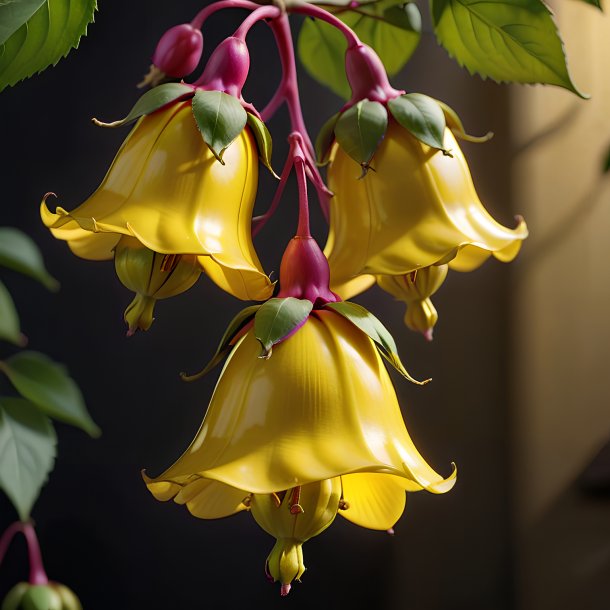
(179, 50)
(304, 272)
(415, 289)
(52, 596)
(228, 67)
(152, 276)
(293, 517)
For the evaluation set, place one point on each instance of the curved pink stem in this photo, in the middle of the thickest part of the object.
(38, 576)
(209, 10)
(311, 10)
(264, 12)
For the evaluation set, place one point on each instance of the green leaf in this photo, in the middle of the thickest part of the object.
(152, 100)
(372, 326)
(360, 129)
(14, 13)
(225, 345)
(325, 140)
(27, 452)
(506, 40)
(392, 28)
(264, 141)
(422, 116)
(20, 253)
(47, 384)
(9, 319)
(50, 34)
(278, 318)
(220, 118)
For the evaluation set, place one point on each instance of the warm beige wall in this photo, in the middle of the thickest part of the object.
(562, 278)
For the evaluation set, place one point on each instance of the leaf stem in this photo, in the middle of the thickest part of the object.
(38, 576)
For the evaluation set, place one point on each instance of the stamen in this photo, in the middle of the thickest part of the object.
(169, 262)
(343, 504)
(295, 507)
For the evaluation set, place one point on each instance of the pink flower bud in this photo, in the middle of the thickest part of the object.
(304, 272)
(179, 50)
(367, 76)
(227, 69)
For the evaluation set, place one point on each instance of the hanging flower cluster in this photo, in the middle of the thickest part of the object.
(304, 422)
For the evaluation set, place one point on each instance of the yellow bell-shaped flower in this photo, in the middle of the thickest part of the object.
(321, 406)
(417, 208)
(166, 189)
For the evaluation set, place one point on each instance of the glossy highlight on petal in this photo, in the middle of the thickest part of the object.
(166, 189)
(418, 208)
(322, 406)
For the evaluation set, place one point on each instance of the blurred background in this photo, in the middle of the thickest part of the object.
(520, 397)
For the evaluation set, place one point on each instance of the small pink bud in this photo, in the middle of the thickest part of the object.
(179, 50)
(227, 69)
(304, 272)
(367, 76)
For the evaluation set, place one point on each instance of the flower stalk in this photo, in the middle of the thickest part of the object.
(38, 575)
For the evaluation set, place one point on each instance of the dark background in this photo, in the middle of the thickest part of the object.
(101, 531)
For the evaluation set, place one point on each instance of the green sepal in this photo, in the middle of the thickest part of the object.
(47, 385)
(277, 318)
(325, 139)
(506, 40)
(372, 326)
(151, 101)
(264, 141)
(48, 35)
(454, 123)
(220, 118)
(225, 346)
(422, 116)
(27, 452)
(19, 253)
(360, 129)
(9, 319)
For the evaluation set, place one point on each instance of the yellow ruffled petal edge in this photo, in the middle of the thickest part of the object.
(204, 498)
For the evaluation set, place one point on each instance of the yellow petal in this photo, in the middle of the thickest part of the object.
(166, 189)
(418, 208)
(375, 501)
(322, 406)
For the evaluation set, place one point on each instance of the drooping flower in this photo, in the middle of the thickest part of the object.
(166, 189)
(418, 208)
(50, 596)
(319, 414)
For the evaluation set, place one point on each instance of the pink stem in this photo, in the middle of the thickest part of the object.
(38, 576)
(264, 12)
(209, 10)
(289, 93)
(303, 229)
(319, 13)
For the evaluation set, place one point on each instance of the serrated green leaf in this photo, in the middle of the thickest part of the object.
(422, 116)
(264, 141)
(19, 253)
(506, 40)
(225, 345)
(372, 326)
(325, 139)
(278, 318)
(47, 384)
(220, 118)
(152, 100)
(390, 27)
(27, 452)
(9, 319)
(360, 129)
(50, 34)
(14, 13)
